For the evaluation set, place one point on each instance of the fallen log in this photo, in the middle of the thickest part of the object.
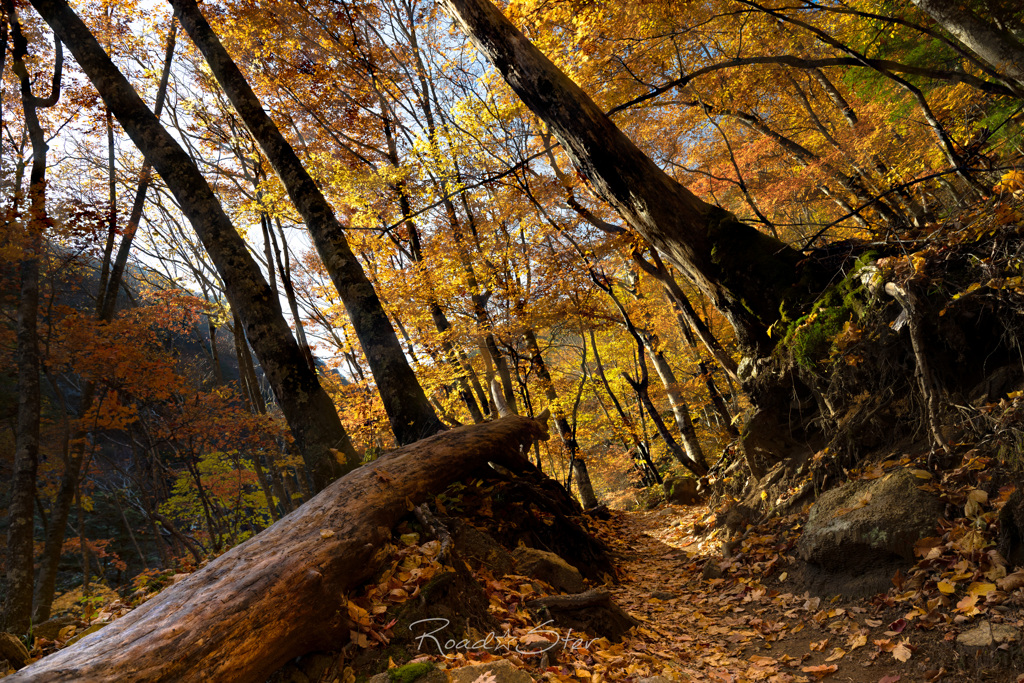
(282, 593)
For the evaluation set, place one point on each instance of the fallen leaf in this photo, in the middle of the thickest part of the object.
(946, 587)
(820, 671)
(891, 678)
(978, 496)
(980, 589)
(857, 640)
(1012, 582)
(837, 653)
(819, 646)
(901, 651)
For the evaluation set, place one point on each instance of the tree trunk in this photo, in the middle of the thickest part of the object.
(281, 593)
(679, 408)
(21, 514)
(247, 370)
(716, 399)
(745, 273)
(996, 46)
(108, 298)
(689, 321)
(306, 406)
(218, 372)
(581, 477)
(580, 474)
(407, 407)
(284, 268)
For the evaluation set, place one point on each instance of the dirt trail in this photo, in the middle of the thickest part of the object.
(754, 624)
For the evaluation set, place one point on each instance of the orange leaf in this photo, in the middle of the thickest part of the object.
(821, 671)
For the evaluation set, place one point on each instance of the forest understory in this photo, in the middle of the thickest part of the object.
(718, 590)
(402, 340)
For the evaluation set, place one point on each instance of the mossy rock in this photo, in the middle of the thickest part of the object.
(409, 672)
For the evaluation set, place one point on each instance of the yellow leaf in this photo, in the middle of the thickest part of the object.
(946, 587)
(980, 589)
(837, 653)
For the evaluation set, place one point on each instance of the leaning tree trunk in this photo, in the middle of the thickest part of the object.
(998, 47)
(407, 407)
(282, 593)
(747, 274)
(310, 413)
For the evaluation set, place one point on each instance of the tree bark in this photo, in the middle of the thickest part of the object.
(21, 514)
(747, 274)
(580, 473)
(405, 403)
(108, 297)
(281, 593)
(684, 423)
(306, 406)
(996, 46)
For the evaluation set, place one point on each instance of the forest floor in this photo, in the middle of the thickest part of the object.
(753, 623)
(748, 617)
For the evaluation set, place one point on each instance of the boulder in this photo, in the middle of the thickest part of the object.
(51, 628)
(500, 671)
(987, 634)
(1011, 529)
(476, 545)
(419, 672)
(13, 650)
(681, 490)
(867, 523)
(550, 568)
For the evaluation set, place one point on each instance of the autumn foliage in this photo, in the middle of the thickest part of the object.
(493, 258)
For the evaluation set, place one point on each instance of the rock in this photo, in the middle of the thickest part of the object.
(502, 671)
(866, 523)
(51, 628)
(1011, 529)
(13, 650)
(736, 519)
(477, 545)
(421, 672)
(550, 568)
(987, 634)
(681, 490)
(712, 570)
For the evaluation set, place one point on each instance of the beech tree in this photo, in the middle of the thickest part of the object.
(408, 409)
(310, 413)
(746, 273)
(20, 543)
(995, 44)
